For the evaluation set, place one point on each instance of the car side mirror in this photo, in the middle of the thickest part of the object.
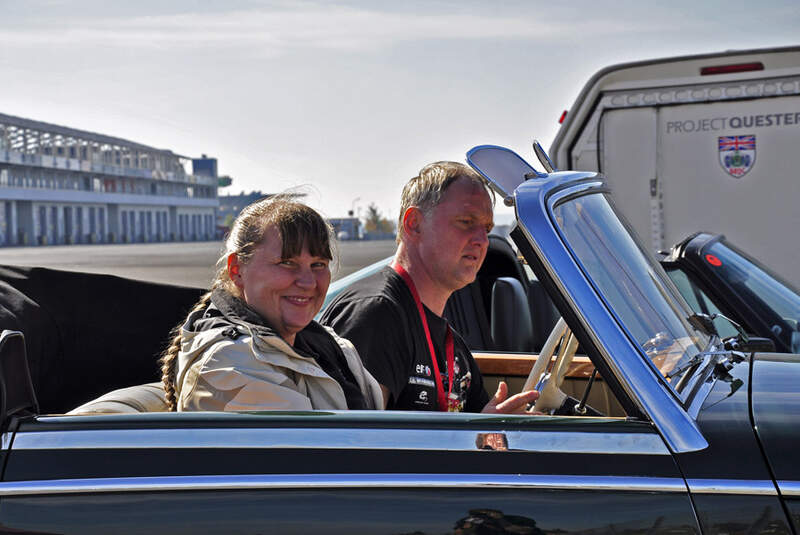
(17, 397)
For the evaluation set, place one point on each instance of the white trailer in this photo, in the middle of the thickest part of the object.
(708, 142)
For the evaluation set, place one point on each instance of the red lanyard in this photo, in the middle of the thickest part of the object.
(445, 403)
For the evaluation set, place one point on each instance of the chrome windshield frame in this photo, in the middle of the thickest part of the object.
(633, 370)
(558, 198)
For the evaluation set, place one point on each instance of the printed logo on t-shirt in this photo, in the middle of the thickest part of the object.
(420, 392)
(413, 380)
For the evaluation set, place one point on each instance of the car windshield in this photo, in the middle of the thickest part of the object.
(630, 280)
(760, 286)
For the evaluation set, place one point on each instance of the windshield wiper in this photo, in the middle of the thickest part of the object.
(704, 323)
(697, 359)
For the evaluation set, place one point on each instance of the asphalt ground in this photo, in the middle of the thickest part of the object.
(184, 263)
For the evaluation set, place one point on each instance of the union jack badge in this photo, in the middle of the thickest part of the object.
(737, 154)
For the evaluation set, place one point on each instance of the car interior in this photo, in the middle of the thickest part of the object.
(507, 318)
(88, 335)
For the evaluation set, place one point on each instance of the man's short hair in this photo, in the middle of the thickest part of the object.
(426, 190)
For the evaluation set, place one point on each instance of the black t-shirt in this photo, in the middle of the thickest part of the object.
(378, 314)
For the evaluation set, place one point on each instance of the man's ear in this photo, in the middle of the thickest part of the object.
(412, 222)
(234, 270)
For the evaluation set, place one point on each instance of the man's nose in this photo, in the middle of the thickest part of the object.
(480, 236)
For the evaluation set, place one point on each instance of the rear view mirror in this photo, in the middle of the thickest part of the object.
(503, 168)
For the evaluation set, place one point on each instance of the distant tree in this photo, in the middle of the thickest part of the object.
(228, 222)
(224, 181)
(375, 222)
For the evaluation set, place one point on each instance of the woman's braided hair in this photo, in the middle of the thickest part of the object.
(298, 226)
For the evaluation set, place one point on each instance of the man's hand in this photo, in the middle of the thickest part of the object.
(517, 404)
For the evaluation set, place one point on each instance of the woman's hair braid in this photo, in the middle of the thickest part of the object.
(169, 359)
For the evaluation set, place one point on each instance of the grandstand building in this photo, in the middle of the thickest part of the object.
(59, 185)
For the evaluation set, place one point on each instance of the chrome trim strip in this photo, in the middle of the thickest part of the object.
(789, 488)
(338, 481)
(732, 486)
(336, 438)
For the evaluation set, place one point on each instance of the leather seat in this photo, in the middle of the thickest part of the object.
(149, 397)
(512, 328)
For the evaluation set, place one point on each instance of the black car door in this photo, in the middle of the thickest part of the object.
(340, 473)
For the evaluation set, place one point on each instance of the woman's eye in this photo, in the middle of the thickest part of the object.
(319, 265)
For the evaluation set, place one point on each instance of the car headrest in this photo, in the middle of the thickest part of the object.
(16, 389)
(512, 329)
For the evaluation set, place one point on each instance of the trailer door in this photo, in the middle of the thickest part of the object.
(628, 146)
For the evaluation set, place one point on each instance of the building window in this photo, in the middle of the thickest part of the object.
(42, 225)
(101, 212)
(92, 220)
(79, 223)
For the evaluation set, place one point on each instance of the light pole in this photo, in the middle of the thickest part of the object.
(353, 207)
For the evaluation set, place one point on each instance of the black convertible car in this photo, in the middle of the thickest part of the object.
(651, 424)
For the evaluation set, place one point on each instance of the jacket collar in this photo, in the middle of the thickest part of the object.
(236, 311)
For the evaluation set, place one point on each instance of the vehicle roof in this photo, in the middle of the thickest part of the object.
(671, 71)
(699, 239)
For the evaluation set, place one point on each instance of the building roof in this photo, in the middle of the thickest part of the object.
(82, 134)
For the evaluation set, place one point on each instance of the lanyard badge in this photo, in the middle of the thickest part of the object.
(447, 403)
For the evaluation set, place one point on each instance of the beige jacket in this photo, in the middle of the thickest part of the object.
(243, 367)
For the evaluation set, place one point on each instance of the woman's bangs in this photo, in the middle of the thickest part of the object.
(309, 231)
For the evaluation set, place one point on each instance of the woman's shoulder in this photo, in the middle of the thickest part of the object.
(218, 341)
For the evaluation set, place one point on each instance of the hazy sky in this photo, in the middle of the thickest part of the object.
(347, 98)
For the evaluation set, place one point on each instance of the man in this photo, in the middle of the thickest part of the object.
(394, 318)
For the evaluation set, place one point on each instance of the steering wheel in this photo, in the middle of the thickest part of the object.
(545, 355)
(550, 395)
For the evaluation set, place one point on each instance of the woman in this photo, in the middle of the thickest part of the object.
(251, 342)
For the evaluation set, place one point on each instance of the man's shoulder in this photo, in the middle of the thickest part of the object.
(379, 290)
(374, 303)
